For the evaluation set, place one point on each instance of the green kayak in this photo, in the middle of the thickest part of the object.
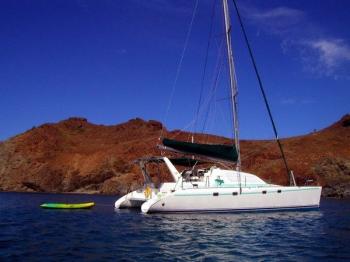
(68, 206)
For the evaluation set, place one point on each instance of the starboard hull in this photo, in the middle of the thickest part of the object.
(230, 200)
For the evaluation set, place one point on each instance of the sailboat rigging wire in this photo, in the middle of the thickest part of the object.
(205, 68)
(206, 102)
(216, 74)
(215, 85)
(218, 69)
(187, 127)
(263, 92)
(179, 67)
(230, 107)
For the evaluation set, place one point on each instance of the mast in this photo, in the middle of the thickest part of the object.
(233, 87)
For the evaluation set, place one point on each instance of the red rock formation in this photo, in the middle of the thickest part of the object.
(77, 156)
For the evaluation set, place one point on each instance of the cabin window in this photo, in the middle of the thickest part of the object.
(215, 194)
(264, 192)
(234, 193)
(279, 191)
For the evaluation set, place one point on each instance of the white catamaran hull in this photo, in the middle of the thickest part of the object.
(133, 199)
(218, 190)
(230, 200)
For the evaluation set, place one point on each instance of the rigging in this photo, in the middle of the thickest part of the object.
(179, 67)
(289, 173)
(205, 68)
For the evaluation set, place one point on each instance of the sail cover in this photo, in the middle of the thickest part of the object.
(222, 152)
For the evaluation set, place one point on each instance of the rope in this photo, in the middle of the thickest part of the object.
(219, 65)
(205, 68)
(179, 67)
(262, 91)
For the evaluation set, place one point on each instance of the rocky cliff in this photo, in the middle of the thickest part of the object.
(77, 156)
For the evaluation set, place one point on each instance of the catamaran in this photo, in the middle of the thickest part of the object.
(215, 189)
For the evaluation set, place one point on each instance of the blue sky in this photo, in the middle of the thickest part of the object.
(110, 61)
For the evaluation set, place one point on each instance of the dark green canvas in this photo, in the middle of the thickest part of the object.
(223, 152)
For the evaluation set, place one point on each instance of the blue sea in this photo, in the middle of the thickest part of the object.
(30, 233)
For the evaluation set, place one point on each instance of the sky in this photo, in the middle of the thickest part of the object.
(111, 61)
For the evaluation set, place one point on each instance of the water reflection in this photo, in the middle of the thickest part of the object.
(223, 236)
(29, 232)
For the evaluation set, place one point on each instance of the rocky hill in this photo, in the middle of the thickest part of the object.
(77, 156)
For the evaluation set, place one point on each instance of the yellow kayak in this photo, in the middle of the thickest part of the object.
(68, 206)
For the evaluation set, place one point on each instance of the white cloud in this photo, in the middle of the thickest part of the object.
(331, 52)
(320, 53)
(325, 57)
(279, 13)
(279, 20)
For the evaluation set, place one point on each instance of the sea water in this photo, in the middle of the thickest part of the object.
(30, 233)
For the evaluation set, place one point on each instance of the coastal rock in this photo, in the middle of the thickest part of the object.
(75, 155)
(336, 175)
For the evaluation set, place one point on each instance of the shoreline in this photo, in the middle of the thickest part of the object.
(329, 196)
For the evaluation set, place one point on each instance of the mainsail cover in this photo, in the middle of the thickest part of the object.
(217, 151)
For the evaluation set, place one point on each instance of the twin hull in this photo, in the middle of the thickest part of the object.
(224, 199)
